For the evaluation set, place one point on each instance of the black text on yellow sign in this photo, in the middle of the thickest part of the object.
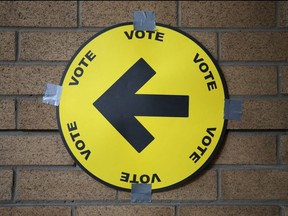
(142, 107)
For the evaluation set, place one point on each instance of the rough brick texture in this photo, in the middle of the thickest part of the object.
(35, 211)
(34, 115)
(253, 80)
(248, 149)
(7, 46)
(254, 46)
(28, 80)
(284, 149)
(49, 46)
(106, 13)
(126, 210)
(61, 185)
(222, 14)
(7, 114)
(229, 210)
(201, 188)
(38, 14)
(6, 179)
(254, 184)
(30, 149)
(283, 15)
(284, 80)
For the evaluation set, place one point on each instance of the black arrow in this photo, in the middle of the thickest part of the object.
(120, 104)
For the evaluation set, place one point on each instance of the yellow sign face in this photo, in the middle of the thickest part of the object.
(142, 107)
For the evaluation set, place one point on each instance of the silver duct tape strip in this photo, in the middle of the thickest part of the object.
(144, 21)
(233, 109)
(52, 94)
(141, 193)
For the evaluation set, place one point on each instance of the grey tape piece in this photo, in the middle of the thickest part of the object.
(141, 193)
(233, 109)
(52, 94)
(144, 21)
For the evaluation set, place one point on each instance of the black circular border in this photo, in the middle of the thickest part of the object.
(222, 136)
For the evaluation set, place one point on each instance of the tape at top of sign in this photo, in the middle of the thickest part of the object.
(144, 21)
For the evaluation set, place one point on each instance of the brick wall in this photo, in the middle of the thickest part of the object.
(249, 176)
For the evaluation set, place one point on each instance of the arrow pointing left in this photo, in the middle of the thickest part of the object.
(120, 104)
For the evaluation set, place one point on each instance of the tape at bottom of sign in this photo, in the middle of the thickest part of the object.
(233, 109)
(141, 193)
(144, 21)
(52, 94)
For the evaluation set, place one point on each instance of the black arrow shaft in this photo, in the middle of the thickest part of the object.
(159, 105)
(133, 131)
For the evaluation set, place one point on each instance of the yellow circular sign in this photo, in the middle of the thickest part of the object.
(142, 107)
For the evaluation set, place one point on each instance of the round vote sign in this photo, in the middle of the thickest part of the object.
(142, 107)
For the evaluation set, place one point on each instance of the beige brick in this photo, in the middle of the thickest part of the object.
(35, 115)
(208, 40)
(33, 149)
(262, 114)
(35, 211)
(286, 211)
(248, 149)
(284, 149)
(6, 179)
(254, 184)
(202, 187)
(49, 46)
(251, 80)
(28, 80)
(124, 210)
(284, 80)
(7, 45)
(283, 13)
(229, 210)
(38, 13)
(224, 14)
(61, 185)
(106, 13)
(254, 46)
(7, 114)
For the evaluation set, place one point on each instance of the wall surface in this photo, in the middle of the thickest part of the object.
(250, 174)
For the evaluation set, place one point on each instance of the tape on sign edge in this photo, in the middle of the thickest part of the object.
(144, 20)
(141, 193)
(233, 109)
(52, 94)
